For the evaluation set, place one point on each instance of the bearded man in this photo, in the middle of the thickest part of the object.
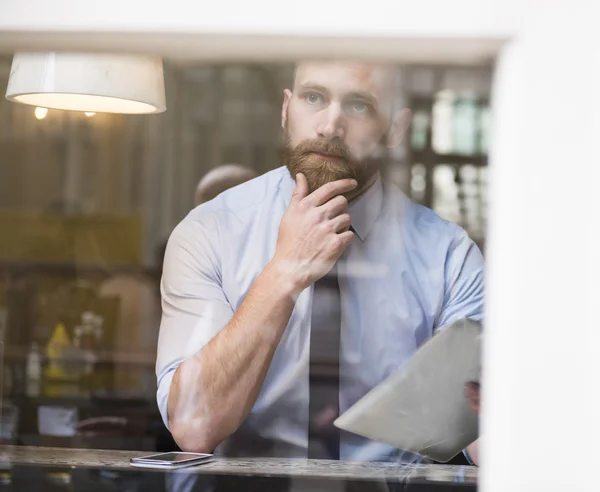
(289, 297)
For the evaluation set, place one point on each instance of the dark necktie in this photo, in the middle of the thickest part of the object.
(324, 368)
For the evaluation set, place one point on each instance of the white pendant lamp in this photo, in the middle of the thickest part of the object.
(89, 82)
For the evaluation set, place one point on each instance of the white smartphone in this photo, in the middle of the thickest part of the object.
(171, 460)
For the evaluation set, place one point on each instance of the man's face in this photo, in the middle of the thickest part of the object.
(338, 121)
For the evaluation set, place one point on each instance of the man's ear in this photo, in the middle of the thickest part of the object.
(287, 97)
(398, 127)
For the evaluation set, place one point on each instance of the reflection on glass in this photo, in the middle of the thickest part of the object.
(483, 193)
(446, 199)
(420, 129)
(484, 130)
(470, 198)
(418, 182)
(442, 128)
(465, 124)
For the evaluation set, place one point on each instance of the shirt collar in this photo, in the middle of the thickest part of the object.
(363, 211)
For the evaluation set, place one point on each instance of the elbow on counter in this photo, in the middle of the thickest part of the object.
(197, 436)
(196, 426)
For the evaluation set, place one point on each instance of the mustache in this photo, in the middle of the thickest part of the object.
(322, 147)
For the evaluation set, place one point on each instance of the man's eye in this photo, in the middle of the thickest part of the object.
(359, 107)
(312, 98)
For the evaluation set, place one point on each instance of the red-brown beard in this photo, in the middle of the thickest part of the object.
(302, 158)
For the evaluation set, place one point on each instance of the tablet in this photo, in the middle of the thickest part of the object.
(422, 408)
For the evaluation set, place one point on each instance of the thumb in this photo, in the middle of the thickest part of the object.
(301, 189)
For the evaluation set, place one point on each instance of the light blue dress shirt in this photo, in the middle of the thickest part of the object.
(407, 274)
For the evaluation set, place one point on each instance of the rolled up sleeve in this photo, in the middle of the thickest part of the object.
(464, 282)
(194, 306)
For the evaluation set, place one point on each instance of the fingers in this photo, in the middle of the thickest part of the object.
(336, 206)
(330, 190)
(301, 190)
(344, 238)
(473, 395)
(341, 223)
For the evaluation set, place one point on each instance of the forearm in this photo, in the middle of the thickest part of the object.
(213, 391)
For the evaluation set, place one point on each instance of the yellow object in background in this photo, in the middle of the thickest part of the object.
(58, 343)
(61, 380)
(94, 240)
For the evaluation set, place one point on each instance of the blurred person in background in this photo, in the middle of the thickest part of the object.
(288, 298)
(220, 179)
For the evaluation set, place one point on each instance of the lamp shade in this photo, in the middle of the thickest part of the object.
(92, 82)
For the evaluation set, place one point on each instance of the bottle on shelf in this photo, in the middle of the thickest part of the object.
(60, 378)
(33, 371)
(87, 339)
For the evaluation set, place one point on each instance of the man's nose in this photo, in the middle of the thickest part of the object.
(332, 124)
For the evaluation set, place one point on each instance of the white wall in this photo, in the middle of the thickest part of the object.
(380, 18)
(542, 397)
(434, 31)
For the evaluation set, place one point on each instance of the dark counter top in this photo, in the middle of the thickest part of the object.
(64, 458)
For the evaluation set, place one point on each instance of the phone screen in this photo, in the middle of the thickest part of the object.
(172, 458)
